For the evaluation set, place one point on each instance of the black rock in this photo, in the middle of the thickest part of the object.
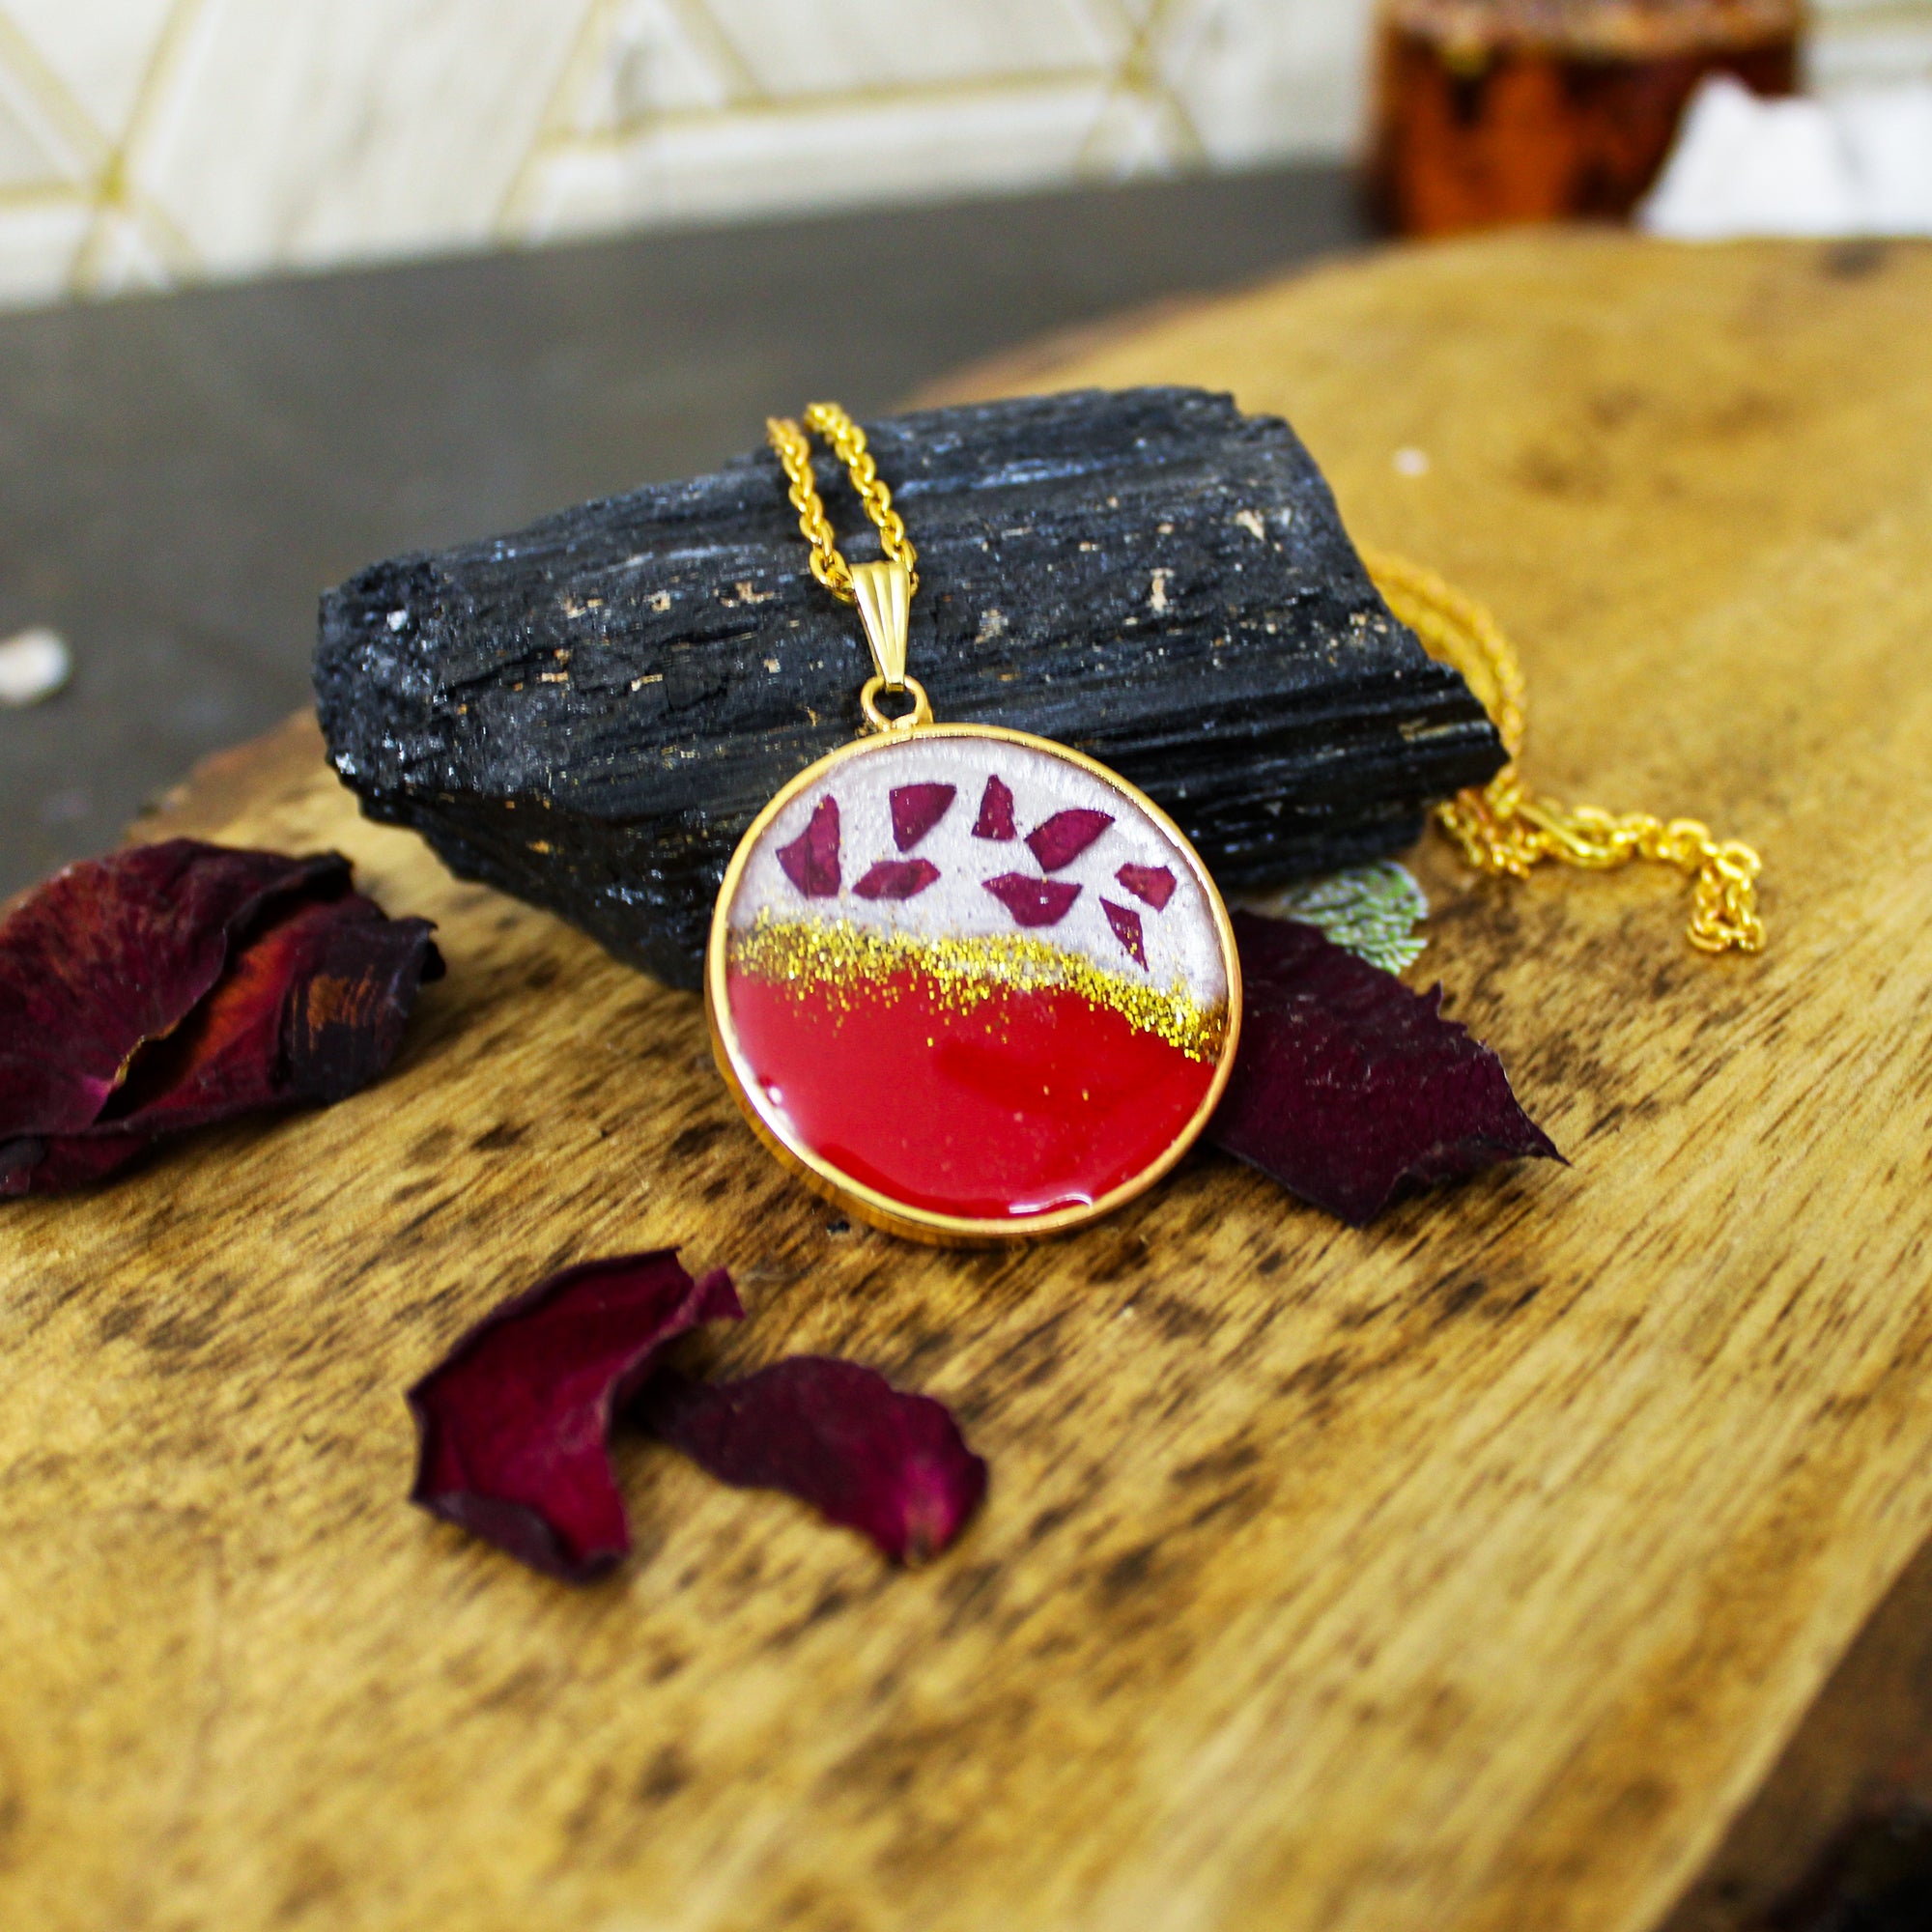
(588, 714)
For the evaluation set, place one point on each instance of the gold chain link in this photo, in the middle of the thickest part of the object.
(1502, 829)
(1499, 827)
(848, 445)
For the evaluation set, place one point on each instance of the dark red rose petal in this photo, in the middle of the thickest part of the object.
(1151, 885)
(65, 1161)
(898, 879)
(810, 860)
(1034, 902)
(1349, 1088)
(1126, 925)
(836, 1435)
(344, 1021)
(115, 952)
(311, 1008)
(917, 809)
(513, 1425)
(1065, 836)
(311, 1011)
(996, 813)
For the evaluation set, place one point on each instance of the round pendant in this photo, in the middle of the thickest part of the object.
(971, 985)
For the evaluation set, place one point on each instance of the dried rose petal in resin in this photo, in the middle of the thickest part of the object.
(898, 879)
(1034, 902)
(1152, 885)
(1127, 929)
(810, 861)
(917, 809)
(999, 1048)
(1064, 836)
(996, 811)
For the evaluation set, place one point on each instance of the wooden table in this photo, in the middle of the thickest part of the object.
(1465, 1573)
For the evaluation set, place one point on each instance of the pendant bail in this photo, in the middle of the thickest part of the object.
(884, 597)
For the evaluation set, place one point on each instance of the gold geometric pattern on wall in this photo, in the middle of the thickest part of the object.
(72, 214)
(1869, 43)
(146, 142)
(710, 107)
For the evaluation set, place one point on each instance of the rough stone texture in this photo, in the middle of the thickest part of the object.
(589, 713)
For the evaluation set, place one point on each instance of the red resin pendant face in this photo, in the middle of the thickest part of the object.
(971, 985)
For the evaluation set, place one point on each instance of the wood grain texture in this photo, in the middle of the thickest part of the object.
(1864, 1752)
(1465, 1573)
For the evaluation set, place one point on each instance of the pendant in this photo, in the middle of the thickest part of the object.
(968, 982)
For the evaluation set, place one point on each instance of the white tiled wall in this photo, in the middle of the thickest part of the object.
(1869, 42)
(150, 141)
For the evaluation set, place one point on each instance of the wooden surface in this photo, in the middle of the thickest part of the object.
(1465, 1573)
(1863, 1750)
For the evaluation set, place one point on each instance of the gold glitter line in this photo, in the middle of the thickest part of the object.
(968, 970)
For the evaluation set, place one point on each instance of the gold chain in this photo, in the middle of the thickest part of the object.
(848, 445)
(1500, 828)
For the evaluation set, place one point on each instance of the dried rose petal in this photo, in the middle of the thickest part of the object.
(64, 1162)
(836, 1435)
(513, 1425)
(1151, 885)
(351, 1002)
(1065, 836)
(898, 879)
(1126, 925)
(114, 953)
(311, 1011)
(1347, 1086)
(810, 860)
(917, 808)
(311, 1008)
(996, 813)
(1034, 902)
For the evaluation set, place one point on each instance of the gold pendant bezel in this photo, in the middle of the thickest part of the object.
(866, 1203)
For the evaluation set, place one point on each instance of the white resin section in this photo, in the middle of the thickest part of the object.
(1182, 943)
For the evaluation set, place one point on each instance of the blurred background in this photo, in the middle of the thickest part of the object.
(294, 285)
(145, 143)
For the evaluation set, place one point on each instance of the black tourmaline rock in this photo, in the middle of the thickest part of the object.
(589, 713)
